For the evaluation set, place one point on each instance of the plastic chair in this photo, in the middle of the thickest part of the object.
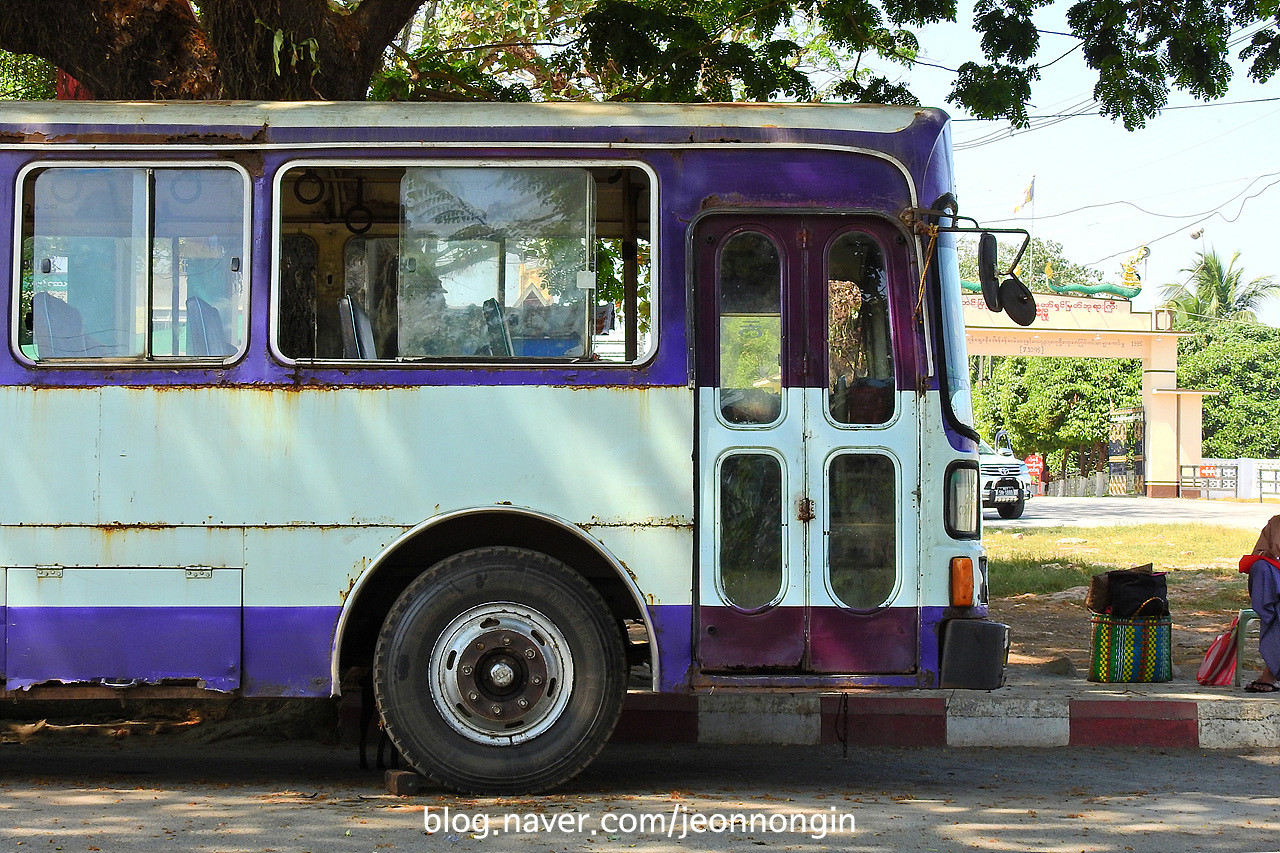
(57, 327)
(205, 332)
(357, 331)
(1246, 616)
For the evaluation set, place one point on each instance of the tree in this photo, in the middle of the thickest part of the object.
(26, 78)
(625, 49)
(1217, 292)
(1057, 407)
(164, 49)
(1241, 361)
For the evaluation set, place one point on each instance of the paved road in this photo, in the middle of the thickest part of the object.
(1105, 512)
(138, 795)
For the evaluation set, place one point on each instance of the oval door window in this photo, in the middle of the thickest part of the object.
(860, 353)
(750, 285)
(750, 551)
(863, 557)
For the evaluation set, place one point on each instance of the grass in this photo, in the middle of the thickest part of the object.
(1200, 559)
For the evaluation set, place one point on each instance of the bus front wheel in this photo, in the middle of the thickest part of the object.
(499, 670)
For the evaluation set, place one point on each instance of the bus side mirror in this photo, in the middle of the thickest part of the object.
(1018, 302)
(987, 274)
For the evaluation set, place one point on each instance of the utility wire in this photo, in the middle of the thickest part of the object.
(1162, 109)
(1152, 212)
(1185, 226)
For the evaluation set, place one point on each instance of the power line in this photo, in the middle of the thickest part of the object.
(1210, 215)
(1140, 209)
(1162, 109)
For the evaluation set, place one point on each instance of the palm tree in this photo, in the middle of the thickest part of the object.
(1216, 292)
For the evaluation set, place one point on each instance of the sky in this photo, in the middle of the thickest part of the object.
(1208, 169)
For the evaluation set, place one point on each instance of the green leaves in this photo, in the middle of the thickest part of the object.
(1242, 362)
(1264, 50)
(1218, 291)
(995, 91)
(1007, 29)
(1057, 405)
(1140, 50)
(678, 57)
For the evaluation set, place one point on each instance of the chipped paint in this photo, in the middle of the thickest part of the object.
(675, 521)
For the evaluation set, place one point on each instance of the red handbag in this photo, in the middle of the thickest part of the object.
(1219, 667)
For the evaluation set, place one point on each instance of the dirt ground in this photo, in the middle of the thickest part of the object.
(1046, 628)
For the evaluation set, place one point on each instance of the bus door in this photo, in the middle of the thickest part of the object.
(808, 454)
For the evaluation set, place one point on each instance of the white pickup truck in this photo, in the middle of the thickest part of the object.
(1006, 483)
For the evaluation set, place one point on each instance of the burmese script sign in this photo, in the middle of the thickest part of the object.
(1064, 326)
(1064, 312)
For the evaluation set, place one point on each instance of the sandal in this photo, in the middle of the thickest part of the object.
(1261, 686)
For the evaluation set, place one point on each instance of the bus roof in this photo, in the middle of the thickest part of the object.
(37, 121)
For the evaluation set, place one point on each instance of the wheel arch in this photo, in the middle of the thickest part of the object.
(435, 539)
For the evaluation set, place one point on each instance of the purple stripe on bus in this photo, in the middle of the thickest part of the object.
(730, 639)
(908, 149)
(673, 631)
(840, 647)
(847, 641)
(287, 650)
(123, 644)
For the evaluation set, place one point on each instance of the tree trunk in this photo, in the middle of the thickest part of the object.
(118, 49)
(237, 49)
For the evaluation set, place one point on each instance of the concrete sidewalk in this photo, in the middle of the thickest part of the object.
(1032, 709)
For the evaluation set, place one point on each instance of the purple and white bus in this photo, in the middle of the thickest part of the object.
(503, 407)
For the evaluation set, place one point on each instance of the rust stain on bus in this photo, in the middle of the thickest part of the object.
(344, 594)
(674, 521)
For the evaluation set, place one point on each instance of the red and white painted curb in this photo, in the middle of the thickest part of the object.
(952, 718)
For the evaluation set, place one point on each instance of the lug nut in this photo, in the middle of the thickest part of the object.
(537, 679)
(473, 696)
(529, 653)
(466, 670)
(522, 702)
(496, 709)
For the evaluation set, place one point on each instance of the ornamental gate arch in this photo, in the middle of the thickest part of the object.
(1089, 327)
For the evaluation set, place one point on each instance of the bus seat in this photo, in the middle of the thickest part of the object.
(205, 332)
(57, 327)
(357, 331)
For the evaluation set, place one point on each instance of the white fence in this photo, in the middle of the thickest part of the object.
(1250, 474)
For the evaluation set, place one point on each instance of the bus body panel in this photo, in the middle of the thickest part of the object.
(296, 475)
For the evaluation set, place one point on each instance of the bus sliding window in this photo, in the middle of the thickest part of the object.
(132, 263)
(464, 263)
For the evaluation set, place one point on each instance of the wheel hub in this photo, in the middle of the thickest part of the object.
(502, 673)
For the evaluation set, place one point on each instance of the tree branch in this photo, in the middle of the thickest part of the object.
(382, 20)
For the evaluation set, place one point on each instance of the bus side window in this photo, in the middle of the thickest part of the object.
(115, 258)
(454, 263)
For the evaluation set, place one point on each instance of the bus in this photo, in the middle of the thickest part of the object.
(502, 409)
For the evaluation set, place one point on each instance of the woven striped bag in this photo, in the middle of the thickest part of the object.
(1130, 650)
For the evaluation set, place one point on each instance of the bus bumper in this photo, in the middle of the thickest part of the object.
(974, 654)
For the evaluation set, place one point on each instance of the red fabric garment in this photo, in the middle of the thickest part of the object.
(1247, 561)
(1219, 667)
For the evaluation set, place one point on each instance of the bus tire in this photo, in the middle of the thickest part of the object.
(499, 670)
(1012, 510)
